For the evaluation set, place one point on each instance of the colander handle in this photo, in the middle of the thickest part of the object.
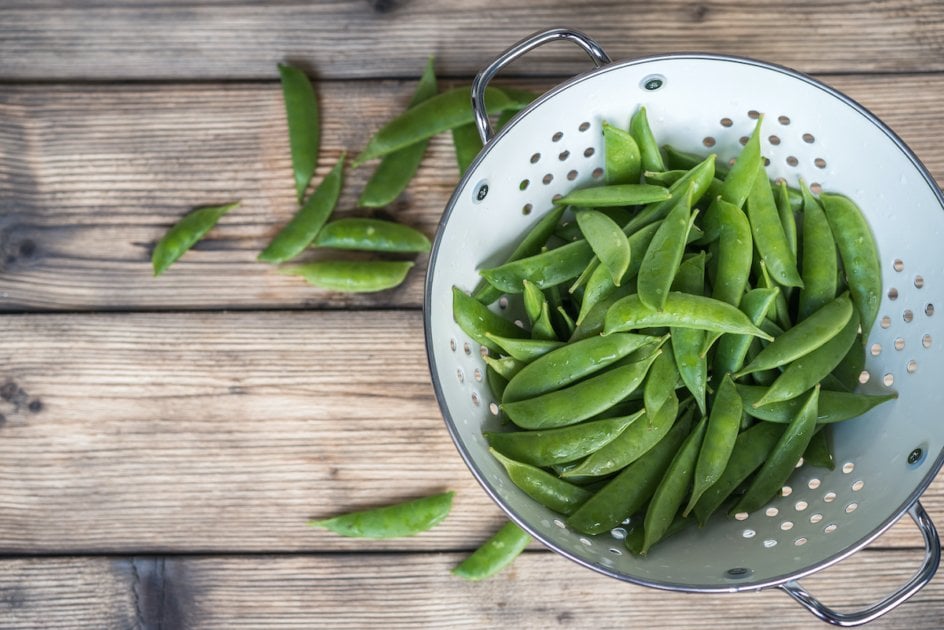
(932, 557)
(530, 42)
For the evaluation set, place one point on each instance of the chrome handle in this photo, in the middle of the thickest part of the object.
(932, 557)
(530, 42)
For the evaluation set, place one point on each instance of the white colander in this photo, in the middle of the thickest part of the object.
(885, 460)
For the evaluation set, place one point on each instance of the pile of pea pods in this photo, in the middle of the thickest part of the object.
(694, 329)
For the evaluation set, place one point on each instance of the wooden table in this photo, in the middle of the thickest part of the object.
(163, 441)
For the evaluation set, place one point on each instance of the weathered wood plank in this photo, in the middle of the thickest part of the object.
(57, 39)
(90, 177)
(540, 590)
(226, 432)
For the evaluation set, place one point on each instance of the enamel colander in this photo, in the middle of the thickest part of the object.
(884, 460)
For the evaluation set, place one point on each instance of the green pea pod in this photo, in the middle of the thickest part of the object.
(819, 453)
(635, 538)
(475, 319)
(546, 269)
(352, 276)
(780, 464)
(701, 175)
(534, 301)
(580, 401)
(598, 288)
(614, 196)
(442, 112)
(543, 328)
(732, 349)
(529, 246)
(687, 343)
(631, 489)
(371, 235)
(185, 234)
(787, 218)
(751, 449)
(495, 554)
(859, 255)
(820, 264)
(307, 222)
(769, 238)
(680, 311)
(570, 363)
(662, 178)
(760, 377)
(623, 160)
(551, 492)
(648, 147)
(781, 309)
(660, 384)
(834, 406)
(560, 446)
(808, 335)
(607, 241)
(677, 159)
(525, 350)
(735, 249)
(631, 444)
(851, 366)
(724, 423)
(748, 167)
(395, 170)
(661, 260)
(468, 144)
(567, 324)
(591, 324)
(802, 374)
(672, 489)
(506, 367)
(304, 135)
(496, 383)
(392, 521)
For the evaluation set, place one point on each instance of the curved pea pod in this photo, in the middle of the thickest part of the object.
(631, 444)
(820, 265)
(691, 364)
(769, 237)
(371, 235)
(591, 324)
(614, 195)
(672, 489)
(622, 159)
(392, 521)
(735, 250)
(834, 406)
(439, 113)
(780, 464)
(808, 335)
(539, 312)
(185, 233)
(819, 452)
(681, 310)
(570, 363)
(631, 489)
(787, 218)
(648, 147)
(599, 287)
(859, 255)
(578, 402)
(307, 222)
(751, 449)
(495, 554)
(506, 367)
(525, 350)
(607, 241)
(802, 374)
(467, 144)
(496, 382)
(560, 446)
(530, 245)
(304, 135)
(395, 170)
(724, 423)
(661, 260)
(676, 158)
(701, 176)
(475, 319)
(551, 492)
(546, 269)
(732, 349)
(351, 276)
(660, 383)
(740, 179)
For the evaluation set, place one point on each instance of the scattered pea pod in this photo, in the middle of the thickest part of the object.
(495, 554)
(304, 134)
(392, 521)
(353, 276)
(371, 235)
(468, 144)
(185, 234)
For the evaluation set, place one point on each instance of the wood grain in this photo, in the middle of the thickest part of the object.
(170, 39)
(226, 431)
(91, 177)
(540, 590)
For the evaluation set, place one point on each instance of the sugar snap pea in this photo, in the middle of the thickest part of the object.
(819, 452)
(567, 325)
(545, 488)
(395, 170)
(732, 349)
(859, 255)
(787, 218)
(782, 460)
(676, 158)
(304, 134)
(475, 319)
(740, 179)
(392, 521)
(525, 350)
(680, 311)
(661, 260)
(307, 222)
(735, 248)
(560, 446)
(372, 235)
(185, 233)
(781, 308)
(539, 312)
(834, 406)
(724, 423)
(660, 383)
(607, 240)
(506, 367)
(495, 554)
(622, 157)
(546, 269)
(580, 401)
(851, 366)
(467, 144)
(820, 265)
(631, 489)
(614, 195)
(351, 276)
(687, 343)
(769, 238)
(648, 147)
(496, 382)
(702, 175)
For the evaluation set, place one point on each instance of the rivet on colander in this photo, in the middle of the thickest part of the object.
(915, 455)
(738, 573)
(653, 82)
(481, 191)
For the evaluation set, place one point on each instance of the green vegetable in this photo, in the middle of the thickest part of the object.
(304, 135)
(184, 234)
(393, 521)
(352, 276)
(497, 553)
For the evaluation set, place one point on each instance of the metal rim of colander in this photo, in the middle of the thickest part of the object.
(450, 422)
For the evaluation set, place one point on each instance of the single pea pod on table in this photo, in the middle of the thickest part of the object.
(630, 391)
